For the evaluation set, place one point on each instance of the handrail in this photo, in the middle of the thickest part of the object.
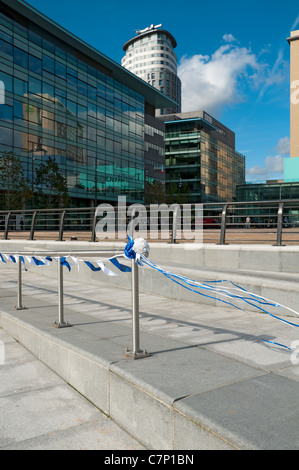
(61, 223)
(135, 352)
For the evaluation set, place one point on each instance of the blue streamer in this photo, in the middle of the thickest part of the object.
(251, 300)
(91, 266)
(64, 262)
(2, 259)
(23, 261)
(38, 262)
(129, 252)
(121, 267)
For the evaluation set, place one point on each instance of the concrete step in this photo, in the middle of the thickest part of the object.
(209, 382)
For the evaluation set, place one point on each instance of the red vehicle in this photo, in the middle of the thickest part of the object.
(210, 222)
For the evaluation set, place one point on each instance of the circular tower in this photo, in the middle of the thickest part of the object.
(150, 55)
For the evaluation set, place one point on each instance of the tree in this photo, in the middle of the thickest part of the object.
(154, 193)
(51, 185)
(14, 191)
(175, 195)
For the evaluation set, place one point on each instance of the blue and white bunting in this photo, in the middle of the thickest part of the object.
(227, 292)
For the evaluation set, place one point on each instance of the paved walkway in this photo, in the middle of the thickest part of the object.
(40, 411)
(210, 382)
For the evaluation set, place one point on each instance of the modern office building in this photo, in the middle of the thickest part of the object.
(202, 164)
(150, 55)
(272, 190)
(61, 98)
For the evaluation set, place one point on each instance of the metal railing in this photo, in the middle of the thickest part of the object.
(136, 352)
(273, 222)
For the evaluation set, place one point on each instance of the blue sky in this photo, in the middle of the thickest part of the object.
(233, 60)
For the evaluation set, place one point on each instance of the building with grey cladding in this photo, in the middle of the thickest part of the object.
(202, 164)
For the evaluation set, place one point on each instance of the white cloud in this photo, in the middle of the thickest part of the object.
(295, 24)
(272, 166)
(283, 146)
(229, 38)
(211, 82)
(275, 75)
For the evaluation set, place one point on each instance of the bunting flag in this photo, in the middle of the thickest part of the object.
(227, 292)
(68, 261)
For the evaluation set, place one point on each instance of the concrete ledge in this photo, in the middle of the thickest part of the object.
(155, 422)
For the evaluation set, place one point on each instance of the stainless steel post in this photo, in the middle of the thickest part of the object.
(135, 306)
(136, 352)
(61, 323)
(279, 225)
(20, 305)
(223, 225)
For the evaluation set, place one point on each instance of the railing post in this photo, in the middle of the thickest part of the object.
(20, 305)
(93, 230)
(6, 226)
(61, 224)
(223, 225)
(61, 323)
(32, 226)
(279, 225)
(136, 352)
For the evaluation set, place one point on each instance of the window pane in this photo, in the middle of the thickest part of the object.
(21, 58)
(6, 50)
(35, 64)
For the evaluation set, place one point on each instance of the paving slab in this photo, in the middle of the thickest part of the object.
(40, 411)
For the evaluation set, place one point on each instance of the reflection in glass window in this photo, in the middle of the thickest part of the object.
(6, 136)
(35, 64)
(6, 113)
(20, 58)
(6, 50)
(60, 70)
(20, 87)
(48, 64)
(35, 86)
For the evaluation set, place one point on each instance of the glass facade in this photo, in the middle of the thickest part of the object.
(57, 103)
(267, 191)
(200, 167)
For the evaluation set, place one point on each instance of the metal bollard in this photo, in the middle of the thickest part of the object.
(136, 352)
(20, 305)
(61, 323)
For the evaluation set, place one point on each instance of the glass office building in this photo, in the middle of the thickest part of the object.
(63, 99)
(269, 191)
(202, 164)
